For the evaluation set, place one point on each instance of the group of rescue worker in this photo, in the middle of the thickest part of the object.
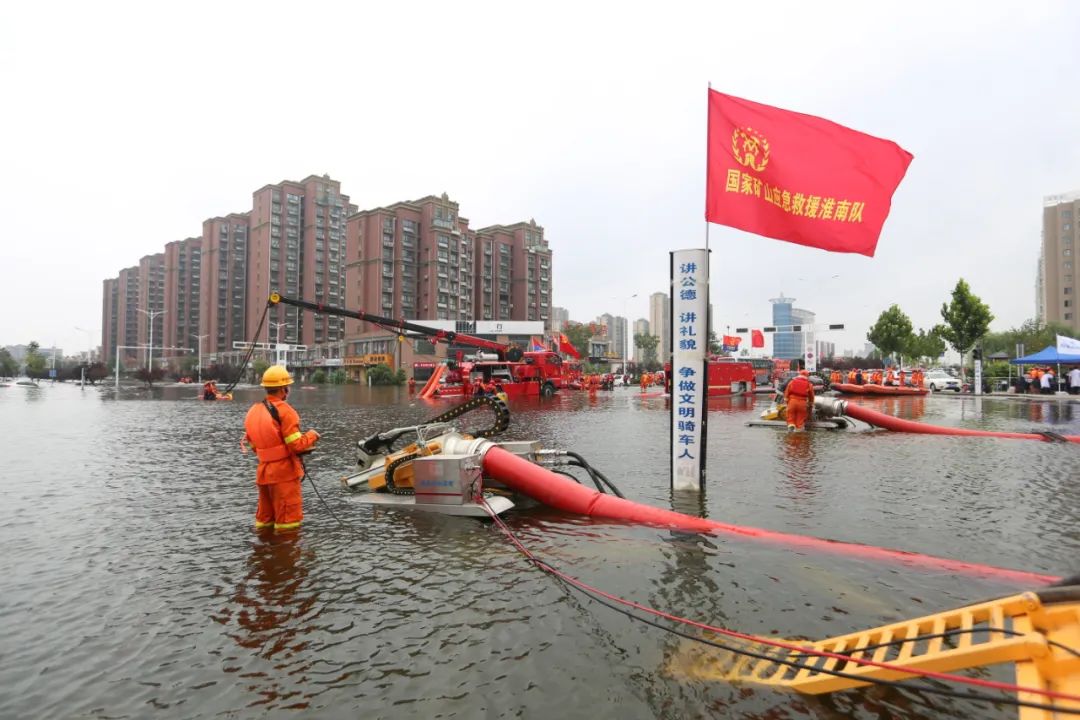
(210, 391)
(648, 379)
(877, 376)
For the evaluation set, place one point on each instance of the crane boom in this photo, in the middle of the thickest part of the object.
(401, 325)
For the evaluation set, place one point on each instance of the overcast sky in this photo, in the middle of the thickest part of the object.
(125, 125)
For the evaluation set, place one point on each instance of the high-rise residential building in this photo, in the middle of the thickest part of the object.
(151, 303)
(297, 246)
(559, 317)
(420, 260)
(616, 334)
(660, 322)
(411, 260)
(223, 283)
(513, 272)
(127, 315)
(1060, 238)
(641, 327)
(109, 310)
(183, 278)
(1040, 289)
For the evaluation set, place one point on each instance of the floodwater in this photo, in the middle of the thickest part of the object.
(134, 586)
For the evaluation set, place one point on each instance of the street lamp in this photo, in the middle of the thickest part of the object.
(82, 370)
(151, 314)
(200, 339)
(277, 339)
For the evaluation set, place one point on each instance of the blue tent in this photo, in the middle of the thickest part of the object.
(1047, 356)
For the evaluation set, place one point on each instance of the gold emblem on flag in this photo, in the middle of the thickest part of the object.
(750, 148)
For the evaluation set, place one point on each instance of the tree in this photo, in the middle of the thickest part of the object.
(579, 336)
(715, 347)
(383, 375)
(1031, 334)
(8, 366)
(259, 366)
(647, 344)
(35, 361)
(149, 375)
(967, 318)
(928, 345)
(338, 377)
(97, 371)
(318, 377)
(892, 331)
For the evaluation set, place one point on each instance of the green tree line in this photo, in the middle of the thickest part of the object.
(965, 321)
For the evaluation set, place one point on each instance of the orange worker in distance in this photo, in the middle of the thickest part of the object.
(272, 429)
(834, 377)
(799, 397)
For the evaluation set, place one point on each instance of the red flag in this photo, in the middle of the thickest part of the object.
(567, 347)
(732, 340)
(797, 177)
(757, 339)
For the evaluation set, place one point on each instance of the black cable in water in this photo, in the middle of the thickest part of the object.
(598, 477)
(250, 352)
(569, 475)
(800, 664)
(311, 480)
(587, 469)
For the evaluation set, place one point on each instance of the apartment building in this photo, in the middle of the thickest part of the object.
(412, 260)
(127, 315)
(183, 282)
(223, 282)
(660, 322)
(1057, 272)
(109, 310)
(641, 327)
(297, 246)
(151, 305)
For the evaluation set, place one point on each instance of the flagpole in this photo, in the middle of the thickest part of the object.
(708, 134)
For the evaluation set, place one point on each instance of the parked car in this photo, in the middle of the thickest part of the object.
(938, 380)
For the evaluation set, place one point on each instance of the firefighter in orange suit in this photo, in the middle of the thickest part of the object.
(272, 429)
(799, 396)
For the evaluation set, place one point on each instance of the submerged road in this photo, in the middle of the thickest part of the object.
(134, 586)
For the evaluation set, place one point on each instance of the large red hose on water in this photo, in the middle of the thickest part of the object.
(564, 494)
(873, 417)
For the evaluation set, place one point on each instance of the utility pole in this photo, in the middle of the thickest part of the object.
(200, 339)
(82, 373)
(151, 314)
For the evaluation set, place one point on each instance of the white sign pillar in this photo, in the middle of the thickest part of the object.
(689, 325)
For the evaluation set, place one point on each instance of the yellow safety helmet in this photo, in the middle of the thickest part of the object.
(276, 376)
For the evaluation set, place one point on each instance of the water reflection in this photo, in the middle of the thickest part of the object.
(800, 465)
(268, 612)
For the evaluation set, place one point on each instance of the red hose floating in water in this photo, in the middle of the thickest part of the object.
(564, 494)
(860, 412)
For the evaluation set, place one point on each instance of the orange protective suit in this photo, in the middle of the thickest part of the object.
(280, 472)
(799, 396)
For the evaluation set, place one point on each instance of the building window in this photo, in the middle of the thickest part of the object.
(1068, 291)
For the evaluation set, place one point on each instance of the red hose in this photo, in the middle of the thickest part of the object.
(562, 493)
(860, 412)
